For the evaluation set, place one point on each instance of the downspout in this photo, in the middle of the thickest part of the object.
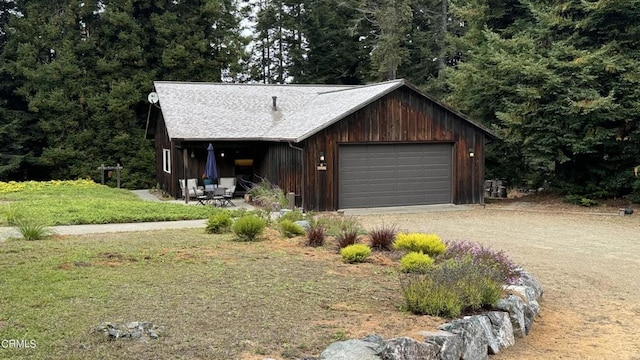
(303, 173)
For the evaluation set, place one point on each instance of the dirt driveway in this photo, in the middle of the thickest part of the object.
(588, 264)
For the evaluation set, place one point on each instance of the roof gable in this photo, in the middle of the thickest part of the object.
(219, 111)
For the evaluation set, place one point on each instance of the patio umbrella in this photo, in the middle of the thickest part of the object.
(210, 168)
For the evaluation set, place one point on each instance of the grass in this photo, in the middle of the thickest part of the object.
(216, 298)
(85, 202)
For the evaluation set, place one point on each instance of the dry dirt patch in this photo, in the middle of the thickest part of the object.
(586, 259)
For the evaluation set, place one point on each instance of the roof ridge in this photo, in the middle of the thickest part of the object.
(357, 87)
(251, 84)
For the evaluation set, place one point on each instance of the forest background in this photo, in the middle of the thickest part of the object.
(557, 80)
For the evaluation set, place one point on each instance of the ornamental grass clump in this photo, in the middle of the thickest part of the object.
(248, 228)
(315, 234)
(450, 288)
(429, 244)
(290, 229)
(416, 262)
(484, 257)
(32, 229)
(355, 253)
(219, 223)
(382, 237)
(347, 237)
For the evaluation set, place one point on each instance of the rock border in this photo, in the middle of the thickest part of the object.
(469, 338)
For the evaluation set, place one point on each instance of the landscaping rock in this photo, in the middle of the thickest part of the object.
(405, 348)
(502, 328)
(303, 223)
(492, 341)
(450, 344)
(130, 330)
(474, 338)
(351, 350)
(515, 307)
(529, 280)
(376, 339)
(531, 307)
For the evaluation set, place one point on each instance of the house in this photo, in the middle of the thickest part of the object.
(334, 146)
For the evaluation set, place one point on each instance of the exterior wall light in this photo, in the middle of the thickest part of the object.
(471, 153)
(193, 155)
(322, 164)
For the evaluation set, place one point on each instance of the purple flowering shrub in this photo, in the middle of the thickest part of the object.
(485, 257)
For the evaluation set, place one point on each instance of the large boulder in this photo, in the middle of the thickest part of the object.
(450, 344)
(515, 307)
(405, 348)
(502, 328)
(352, 350)
(472, 331)
(526, 279)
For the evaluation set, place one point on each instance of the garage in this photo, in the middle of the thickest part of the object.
(378, 175)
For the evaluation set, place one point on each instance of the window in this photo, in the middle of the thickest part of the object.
(166, 160)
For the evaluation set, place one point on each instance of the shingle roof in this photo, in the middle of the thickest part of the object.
(216, 111)
(219, 111)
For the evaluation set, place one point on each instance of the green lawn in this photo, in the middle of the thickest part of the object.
(215, 298)
(85, 202)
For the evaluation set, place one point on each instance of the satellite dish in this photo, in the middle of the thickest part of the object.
(153, 97)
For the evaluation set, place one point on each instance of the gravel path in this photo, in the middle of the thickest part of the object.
(588, 264)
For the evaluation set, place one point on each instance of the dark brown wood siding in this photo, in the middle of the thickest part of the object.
(401, 116)
(164, 180)
(281, 165)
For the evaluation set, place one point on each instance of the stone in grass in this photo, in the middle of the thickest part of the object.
(130, 330)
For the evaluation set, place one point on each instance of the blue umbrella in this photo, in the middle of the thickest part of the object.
(210, 168)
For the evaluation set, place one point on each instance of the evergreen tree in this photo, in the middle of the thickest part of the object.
(86, 67)
(560, 86)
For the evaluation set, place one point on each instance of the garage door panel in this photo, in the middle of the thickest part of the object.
(394, 175)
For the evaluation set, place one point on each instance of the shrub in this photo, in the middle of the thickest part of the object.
(416, 262)
(429, 244)
(382, 237)
(315, 234)
(450, 288)
(248, 227)
(293, 216)
(580, 200)
(484, 257)
(423, 296)
(219, 223)
(355, 253)
(32, 229)
(290, 229)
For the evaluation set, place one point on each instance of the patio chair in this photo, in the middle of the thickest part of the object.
(194, 190)
(229, 183)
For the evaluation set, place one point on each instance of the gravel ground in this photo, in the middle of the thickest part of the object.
(588, 264)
